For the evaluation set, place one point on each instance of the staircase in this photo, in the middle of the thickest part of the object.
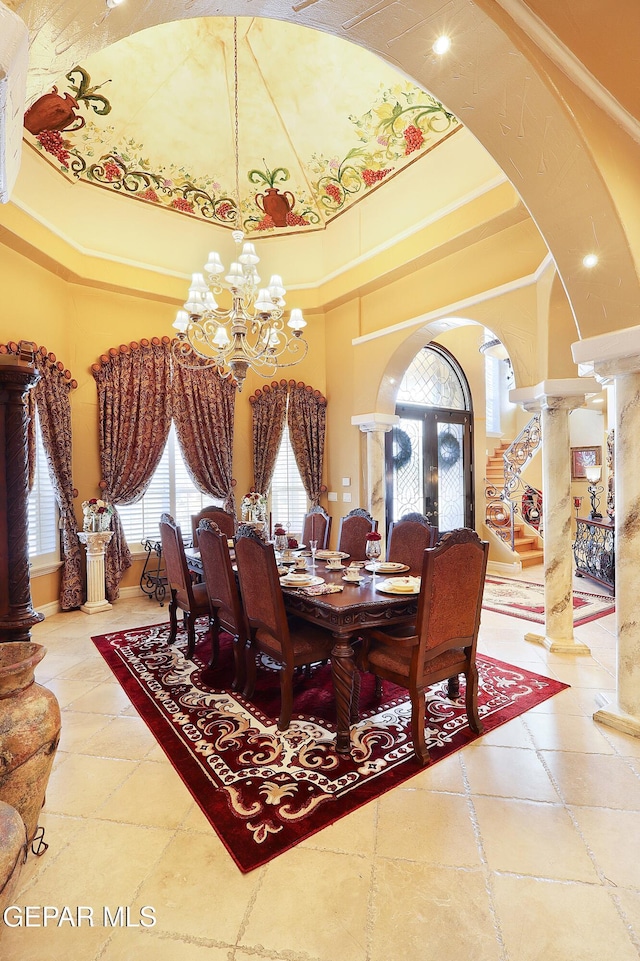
(526, 546)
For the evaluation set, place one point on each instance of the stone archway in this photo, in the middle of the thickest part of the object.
(489, 79)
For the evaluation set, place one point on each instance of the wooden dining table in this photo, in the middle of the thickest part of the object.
(344, 614)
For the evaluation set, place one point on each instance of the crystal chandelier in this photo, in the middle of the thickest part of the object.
(251, 333)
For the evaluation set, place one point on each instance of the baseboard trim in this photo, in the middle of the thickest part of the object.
(501, 567)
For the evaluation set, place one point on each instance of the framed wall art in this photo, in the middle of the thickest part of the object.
(583, 457)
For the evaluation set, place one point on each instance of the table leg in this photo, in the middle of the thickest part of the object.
(343, 670)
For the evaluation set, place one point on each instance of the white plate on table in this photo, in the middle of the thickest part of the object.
(400, 585)
(301, 580)
(331, 555)
(387, 567)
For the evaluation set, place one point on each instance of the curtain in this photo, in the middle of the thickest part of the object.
(203, 412)
(51, 397)
(269, 408)
(134, 410)
(307, 423)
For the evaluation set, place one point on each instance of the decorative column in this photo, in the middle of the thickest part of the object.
(555, 399)
(17, 616)
(375, 426)
(616, 356)
(96, 545)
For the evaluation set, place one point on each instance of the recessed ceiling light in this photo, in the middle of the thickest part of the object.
(113, 3)
(441, 45)
(590, 260)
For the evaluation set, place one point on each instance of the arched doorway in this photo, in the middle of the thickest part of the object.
(429, 453)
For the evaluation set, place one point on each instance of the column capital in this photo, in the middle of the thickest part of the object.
(369, 423)
(564, 394)
(610, 354)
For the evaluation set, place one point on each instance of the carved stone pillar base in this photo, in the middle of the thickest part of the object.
(612, 715)
(558, 645)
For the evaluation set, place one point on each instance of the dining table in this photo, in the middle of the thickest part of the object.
(344, 614)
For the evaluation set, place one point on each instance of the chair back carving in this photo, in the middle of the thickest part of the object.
(225, 521)
(262, 594)
(450, 601)
(177, 572)
(316, 526)
(354, 527)
(408, 539)
(220, 580)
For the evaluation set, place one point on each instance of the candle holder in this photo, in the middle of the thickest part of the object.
(577, 501)
(593, 475)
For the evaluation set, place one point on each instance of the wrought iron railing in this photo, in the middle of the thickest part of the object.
(515, 497)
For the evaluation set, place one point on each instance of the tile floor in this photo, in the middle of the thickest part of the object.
(523, 846)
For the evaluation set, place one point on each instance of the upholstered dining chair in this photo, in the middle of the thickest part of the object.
(408, 539)
(442, 642)
(316, 525)
(352, 536)
(291, 643)
(192, 599)
(225, 602)
(225, 521)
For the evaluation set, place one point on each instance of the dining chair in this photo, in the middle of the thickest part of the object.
(408, 539)
(192, 599)
(442, 642)
(316, 525)
(352, 536)
(225, 602)
(225, 521)
(291, 643)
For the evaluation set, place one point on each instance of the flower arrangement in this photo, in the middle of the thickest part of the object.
(374, 536)
(97, 515)
(254, 507)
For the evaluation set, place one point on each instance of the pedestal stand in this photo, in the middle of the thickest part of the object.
(96, 545)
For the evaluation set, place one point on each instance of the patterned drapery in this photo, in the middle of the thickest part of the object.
(203, 412)
(269, 407)
(50, 398)
(307, 417)
(134, 411)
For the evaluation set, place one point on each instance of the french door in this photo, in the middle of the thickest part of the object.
(429, 467)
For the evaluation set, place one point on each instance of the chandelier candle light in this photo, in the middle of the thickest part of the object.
(252, 332)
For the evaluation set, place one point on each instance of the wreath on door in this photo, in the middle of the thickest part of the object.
(448, 449)
(402, 448)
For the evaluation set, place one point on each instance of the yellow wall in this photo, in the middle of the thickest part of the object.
(477, 265)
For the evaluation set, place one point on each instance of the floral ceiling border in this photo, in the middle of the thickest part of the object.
(402, 125)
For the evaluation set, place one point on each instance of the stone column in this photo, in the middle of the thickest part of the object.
(375, 426)
(96, 545)
(17, 616)
(555, 399)
(616, 356)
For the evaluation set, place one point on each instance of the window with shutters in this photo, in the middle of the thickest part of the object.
(42, 512)
(172, 491)
(288, 496)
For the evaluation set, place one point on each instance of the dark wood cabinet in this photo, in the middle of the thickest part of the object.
(594, 550)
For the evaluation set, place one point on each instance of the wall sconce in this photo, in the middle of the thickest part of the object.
(593, 476)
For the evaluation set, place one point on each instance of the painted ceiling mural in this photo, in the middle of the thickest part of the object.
(321, 123)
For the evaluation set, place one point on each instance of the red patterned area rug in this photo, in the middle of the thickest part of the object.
(505, 595)
(263, 790)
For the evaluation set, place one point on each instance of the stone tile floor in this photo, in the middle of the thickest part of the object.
(523, 846)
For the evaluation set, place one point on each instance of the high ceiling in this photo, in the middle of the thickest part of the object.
(321, 123)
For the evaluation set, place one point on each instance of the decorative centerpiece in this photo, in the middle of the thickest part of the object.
(254, 508)
(97, 515)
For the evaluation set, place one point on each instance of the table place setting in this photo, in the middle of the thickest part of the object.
(300, 579)
(399, 585)
(331, 555)
(386, 567)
